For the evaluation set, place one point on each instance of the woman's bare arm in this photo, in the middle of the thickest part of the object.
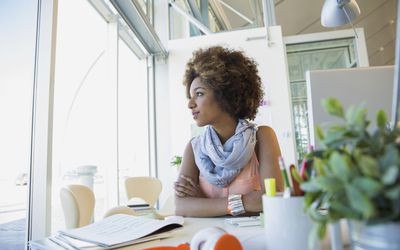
(267, 151)
(196, 206)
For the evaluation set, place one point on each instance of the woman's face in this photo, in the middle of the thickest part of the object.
(205, 109)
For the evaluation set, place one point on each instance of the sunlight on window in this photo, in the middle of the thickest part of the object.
(97, 121)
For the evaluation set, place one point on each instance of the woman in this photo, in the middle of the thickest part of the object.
(222, 171)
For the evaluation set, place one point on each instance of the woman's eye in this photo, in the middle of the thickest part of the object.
(199, 94)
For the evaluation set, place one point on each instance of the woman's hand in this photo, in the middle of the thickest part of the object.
(186, 187)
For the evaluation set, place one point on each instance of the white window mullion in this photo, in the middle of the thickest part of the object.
(39, 212)
(153, 170)
(111, 178)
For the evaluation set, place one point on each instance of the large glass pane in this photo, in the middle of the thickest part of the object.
(133, 144)
(17, 46)
(84, 106)
(302, 57)
(100, 120)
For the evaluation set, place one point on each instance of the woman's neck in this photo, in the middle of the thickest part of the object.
(225, 128)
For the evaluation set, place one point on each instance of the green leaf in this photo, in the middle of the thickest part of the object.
(319, 166)
(340, 165)
(350, 114)
(343, 210)
(333, 107)
(381, 119)
(321, 230)
(369, 166)
(316, 215)
(335, 134)
(391, 156)
(360, 118)
(319, 133)
(310, 186)
(329, 184)
(393, 193)
(309, 198)
(317, 232)
(367, 185)
(390, 175)
(359, 201)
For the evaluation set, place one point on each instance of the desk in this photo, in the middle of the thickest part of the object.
(250, 237)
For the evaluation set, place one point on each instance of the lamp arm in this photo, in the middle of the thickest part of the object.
(351, 23)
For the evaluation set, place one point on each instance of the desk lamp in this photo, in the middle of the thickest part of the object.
(338, 12)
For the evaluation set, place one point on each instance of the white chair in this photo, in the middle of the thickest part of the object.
(120, 210)
(168, 207)
(77, 202)
(145, 187)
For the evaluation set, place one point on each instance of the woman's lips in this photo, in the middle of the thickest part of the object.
(195, 114)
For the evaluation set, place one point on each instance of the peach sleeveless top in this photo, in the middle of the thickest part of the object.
(247, 181)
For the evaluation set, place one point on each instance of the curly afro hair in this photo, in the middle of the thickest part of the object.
(231, 75)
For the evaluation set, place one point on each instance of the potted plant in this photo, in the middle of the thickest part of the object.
(176, 161)
(356, 176)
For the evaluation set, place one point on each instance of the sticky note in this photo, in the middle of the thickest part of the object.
(270, 186)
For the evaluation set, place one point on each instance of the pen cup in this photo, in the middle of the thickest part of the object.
(286, 224)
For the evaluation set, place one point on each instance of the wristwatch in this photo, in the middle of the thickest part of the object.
(235, 204)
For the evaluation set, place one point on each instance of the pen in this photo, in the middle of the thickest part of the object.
(284, 173)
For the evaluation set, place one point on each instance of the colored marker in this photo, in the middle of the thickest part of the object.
(284, 173)
(270, 186)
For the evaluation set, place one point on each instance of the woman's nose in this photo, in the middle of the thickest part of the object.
(191, 103)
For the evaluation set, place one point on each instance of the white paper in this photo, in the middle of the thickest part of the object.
(119, 229)
(245, 221)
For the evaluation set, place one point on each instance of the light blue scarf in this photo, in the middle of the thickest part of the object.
(220, 164)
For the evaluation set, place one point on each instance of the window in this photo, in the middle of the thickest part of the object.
(216, 15)
(330, 54)
(100, 109)
(133, 144)
(17, 45)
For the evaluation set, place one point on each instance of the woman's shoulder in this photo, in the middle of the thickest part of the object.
(264, 129)
(265, 133)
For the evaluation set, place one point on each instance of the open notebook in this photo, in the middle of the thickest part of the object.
(116, 231)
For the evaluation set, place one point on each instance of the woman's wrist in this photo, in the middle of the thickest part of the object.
(235, 205)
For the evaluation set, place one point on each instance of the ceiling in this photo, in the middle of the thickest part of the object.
(378, 18)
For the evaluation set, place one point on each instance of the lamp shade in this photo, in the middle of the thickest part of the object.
(334, 12)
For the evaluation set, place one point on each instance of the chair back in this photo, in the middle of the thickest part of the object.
(144, 187)
(120, 210)
(77, 202)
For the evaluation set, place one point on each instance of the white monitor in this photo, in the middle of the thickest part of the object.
(371, 85)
